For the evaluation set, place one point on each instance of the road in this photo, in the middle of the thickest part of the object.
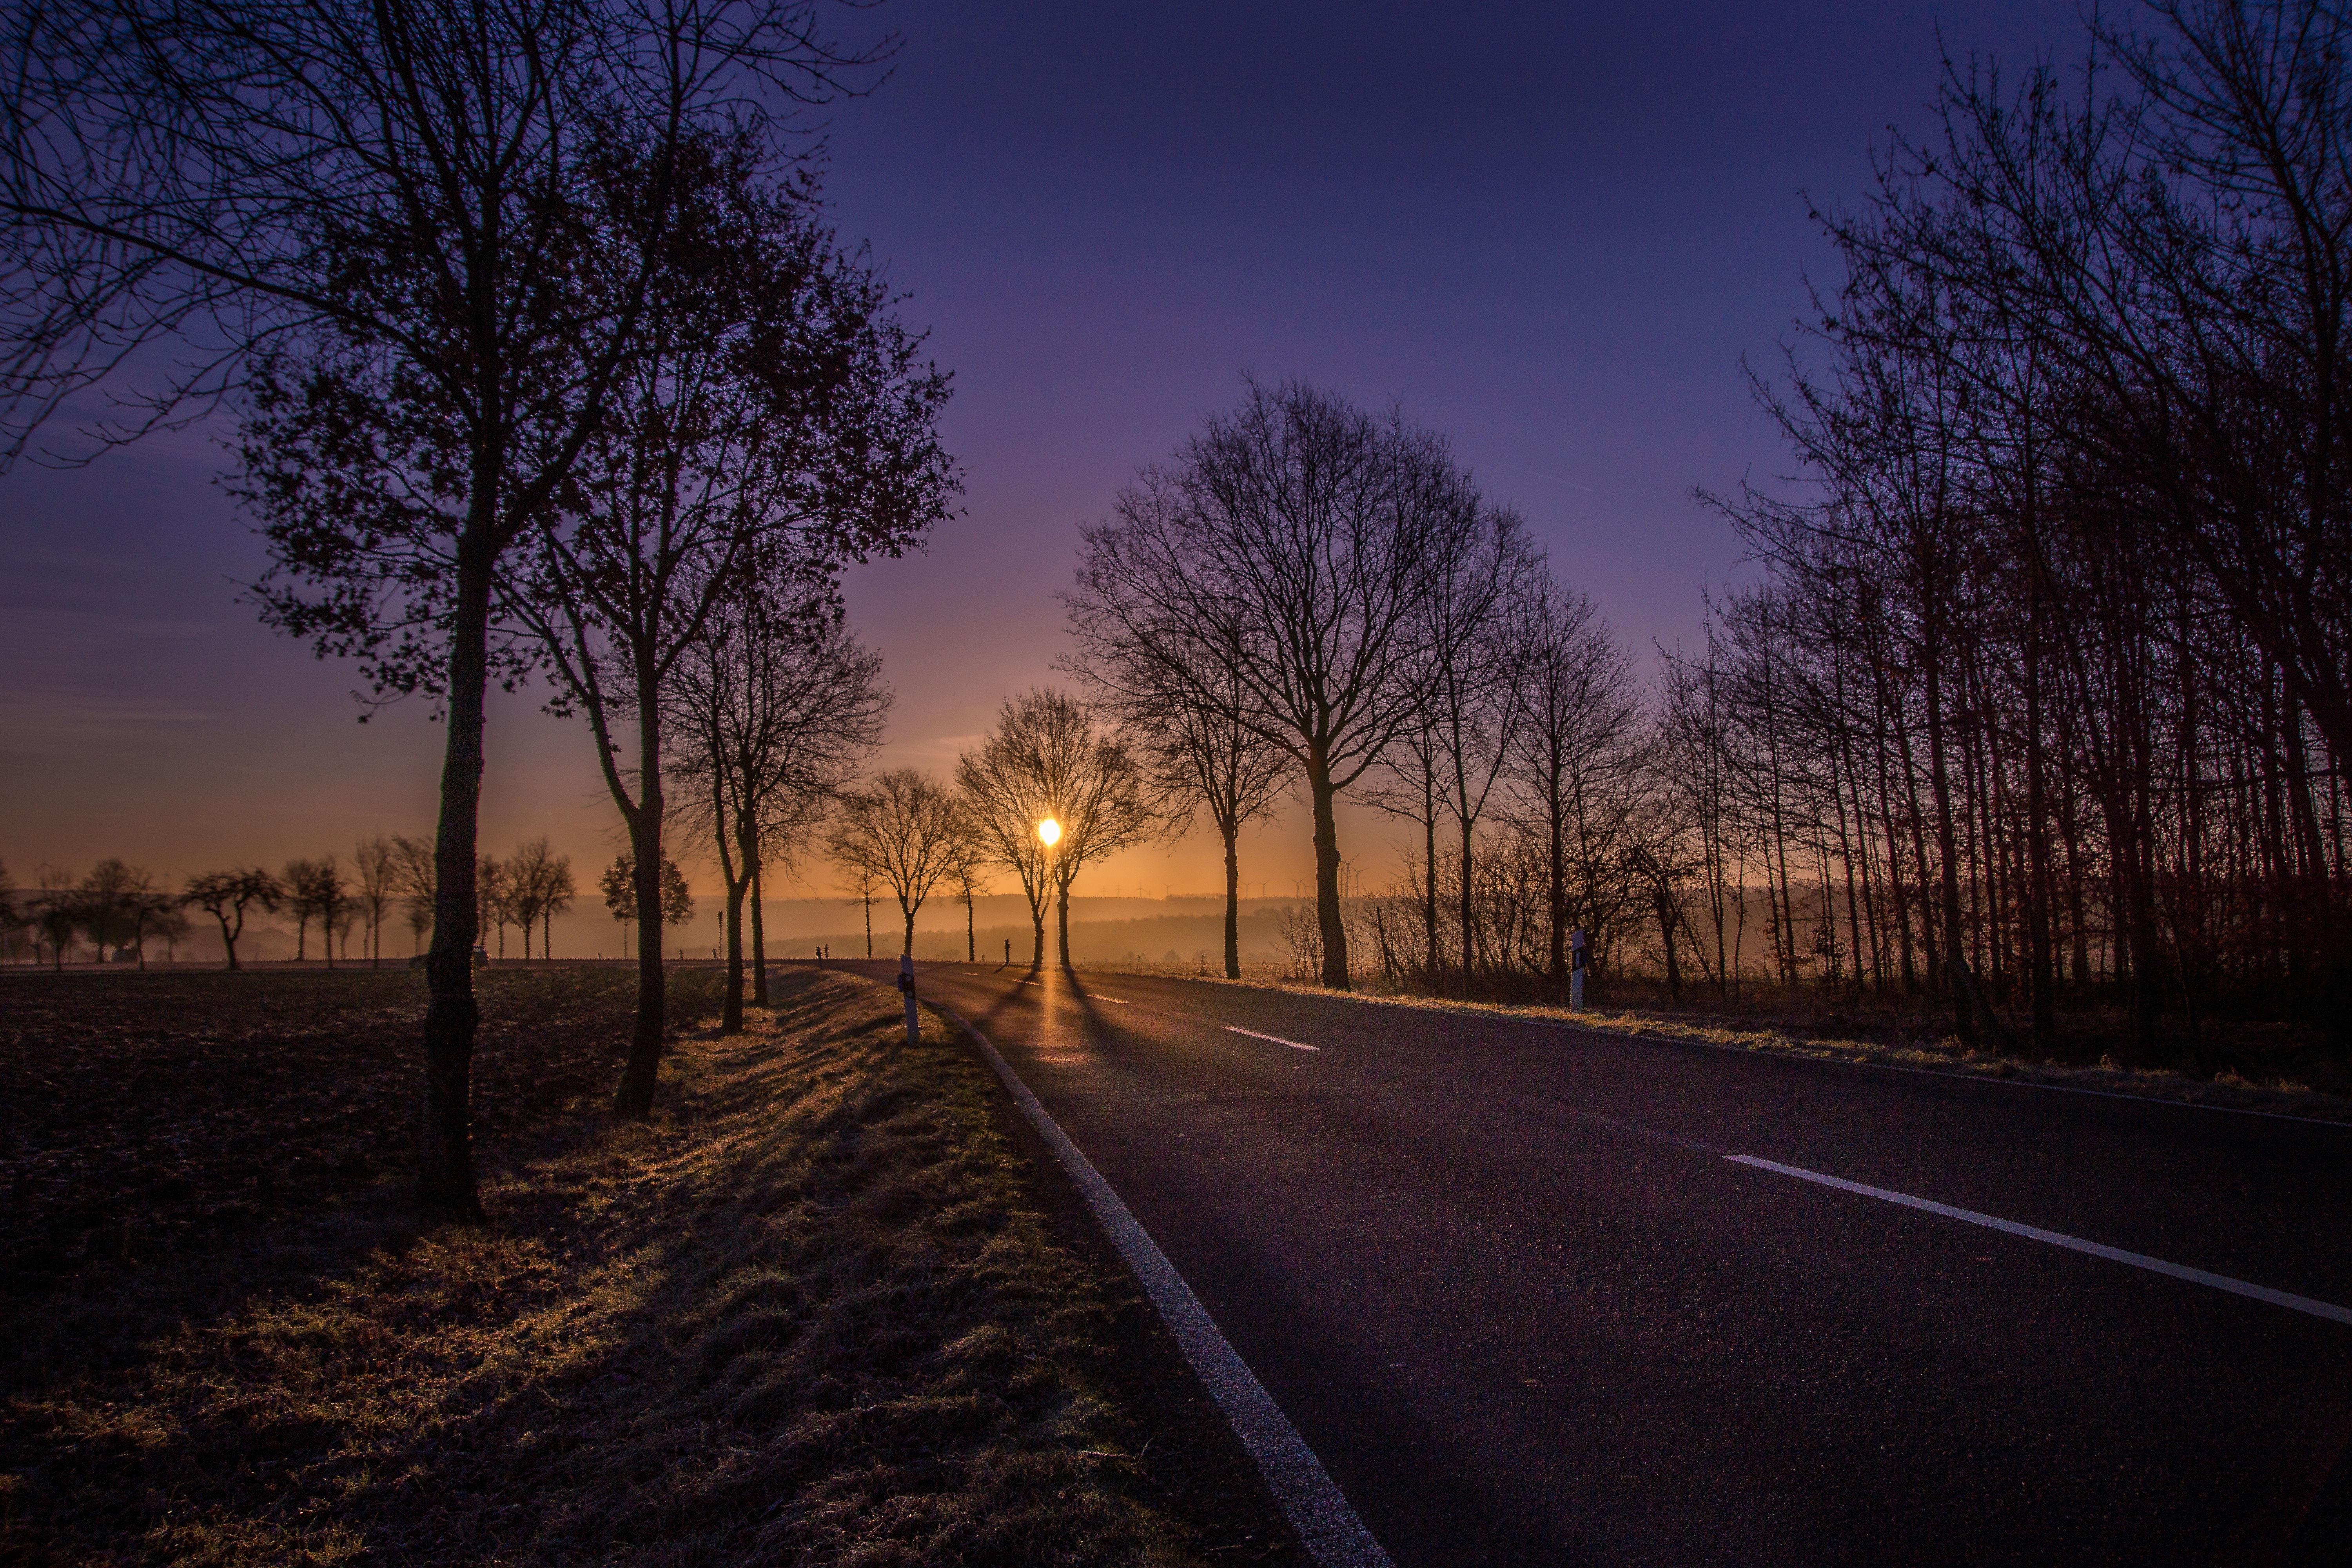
(1516, 1287)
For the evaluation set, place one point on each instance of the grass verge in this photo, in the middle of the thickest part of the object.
(815, 1311)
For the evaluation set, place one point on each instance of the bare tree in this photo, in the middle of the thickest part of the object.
(228, 895)
(1046, 763)
(120, 903)
(1179, 710)
(314, 892)
(1005, 800)
(394, 221)
(57, 911)
(1474, 640)
(414, 870)
(968, 865)
(541, 886)
(776, 709)
(775, 424)
(494, 892)
(1574, 756)
(901, 831)
(556, 890)
(1295, 540)
(619, 884)
(376, 865)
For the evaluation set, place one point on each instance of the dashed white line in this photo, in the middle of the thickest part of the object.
(2072, 1243)
(1277, 1039)
(1098, 996)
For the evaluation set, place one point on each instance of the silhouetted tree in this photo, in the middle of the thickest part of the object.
(619, 882)
(1295, 541)
(776, 709)
(1046, 759)
(541, 887)
(1179, 710)
(375, 866)
(1576, 758)
(228, 895)
(775, 424)
(414, 870)
(901, 831)
(57, 911)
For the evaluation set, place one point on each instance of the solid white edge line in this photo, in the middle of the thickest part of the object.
(1277, 1039)
(2072, 1243)
(1326, 1523)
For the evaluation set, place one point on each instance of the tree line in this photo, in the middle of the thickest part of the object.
(121, 906)
(1311, 597)
(2047, 676)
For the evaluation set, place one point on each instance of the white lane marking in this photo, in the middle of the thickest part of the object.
(2073, 1243)
(1326, 1523)
(1098, 996)
(1277, 1039)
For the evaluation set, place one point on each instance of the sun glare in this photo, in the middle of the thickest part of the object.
(1050, 831)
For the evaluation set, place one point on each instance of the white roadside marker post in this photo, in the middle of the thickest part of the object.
(907, 984)
(1576, 970)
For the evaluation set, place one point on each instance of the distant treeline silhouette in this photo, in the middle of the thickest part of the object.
(118, 909)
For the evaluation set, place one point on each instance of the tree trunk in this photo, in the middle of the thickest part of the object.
(634, 1097)
(909, 949)
(445, 1157)
(731, 1008)
(1327, 873)
(1429, 882)
(1062, 916)
(1231, 830)
(730, 1014)
(2044, 889)
(1665, 903)
(1940, 782)
(1464, 901)
(1556, 877)
(759, 935)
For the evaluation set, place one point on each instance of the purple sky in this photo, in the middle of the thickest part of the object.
(1550, 231)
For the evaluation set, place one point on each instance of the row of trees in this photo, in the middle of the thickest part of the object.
(117, 906)
(2048, 677)
(123, 907)
(2043, 697)
(541, 353)
(1046, 795)
(1310, 595)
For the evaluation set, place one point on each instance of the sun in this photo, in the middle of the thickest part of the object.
(1050, 831)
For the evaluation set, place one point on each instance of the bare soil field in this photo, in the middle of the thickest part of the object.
(826, 1307)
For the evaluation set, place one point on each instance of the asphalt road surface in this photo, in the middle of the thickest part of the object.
(1537, 1294)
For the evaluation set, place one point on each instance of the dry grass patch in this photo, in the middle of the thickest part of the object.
(806, 1315)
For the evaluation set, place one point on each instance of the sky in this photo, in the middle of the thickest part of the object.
(1552, 232)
